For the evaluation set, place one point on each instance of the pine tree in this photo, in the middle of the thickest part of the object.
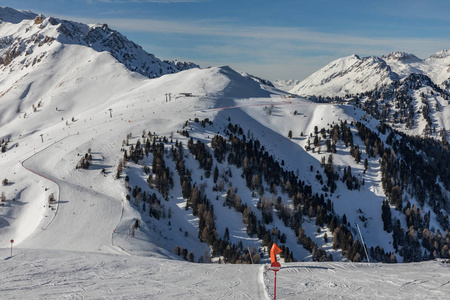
(386, 216)
(216, 174)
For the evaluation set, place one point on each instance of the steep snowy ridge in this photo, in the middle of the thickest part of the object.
(182, 65)
(103, 38)
(257, 79)
(10, 15)
(26, 29)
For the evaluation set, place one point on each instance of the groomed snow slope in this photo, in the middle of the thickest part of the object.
(50, 274)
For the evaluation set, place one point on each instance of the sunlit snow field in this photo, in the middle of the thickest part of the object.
(50, 274)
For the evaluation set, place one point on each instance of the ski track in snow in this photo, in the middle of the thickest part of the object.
(53, 274)
(44, 227)
(83, 201)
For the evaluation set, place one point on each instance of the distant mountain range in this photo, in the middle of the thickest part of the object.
(353, 74)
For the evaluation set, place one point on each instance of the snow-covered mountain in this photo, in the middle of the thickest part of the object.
(23, 33)
(11, 15)
(352, 74)
(414, 105)
(286, 85)
(408, 93)
(348, 75)
(204, 165)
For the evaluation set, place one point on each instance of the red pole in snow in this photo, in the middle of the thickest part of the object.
(275, 266)
(275, 287)
(12, 241)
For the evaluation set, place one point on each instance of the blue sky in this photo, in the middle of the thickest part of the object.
(277, 39)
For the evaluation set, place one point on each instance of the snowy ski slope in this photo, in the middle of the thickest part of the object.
(78, 99)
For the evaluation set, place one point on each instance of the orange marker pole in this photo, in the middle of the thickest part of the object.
(275, 266)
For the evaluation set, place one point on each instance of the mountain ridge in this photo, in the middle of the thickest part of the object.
(99, 37)
(352, 74)
(8, 14)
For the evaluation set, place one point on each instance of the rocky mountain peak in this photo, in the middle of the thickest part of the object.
(99, 37)
(401, 56)
(441, 54)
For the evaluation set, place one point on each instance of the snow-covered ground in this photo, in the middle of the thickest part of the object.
(51, 274)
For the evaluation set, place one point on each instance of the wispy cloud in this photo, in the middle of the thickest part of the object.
(303, 35)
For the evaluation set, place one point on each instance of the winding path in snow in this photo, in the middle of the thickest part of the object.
(84, 219)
